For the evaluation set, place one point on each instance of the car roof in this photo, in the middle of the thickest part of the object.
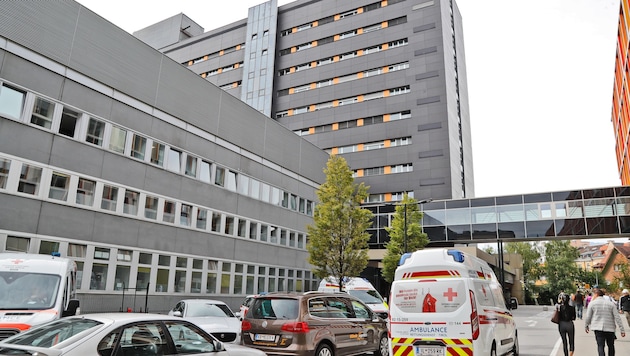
(304, 294)
(123, 317)
(202, 301)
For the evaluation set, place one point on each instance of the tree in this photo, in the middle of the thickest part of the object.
(338, 241)
(488, 250)
(560, 268)
(531, 265)
(622, 277)
(407, 213)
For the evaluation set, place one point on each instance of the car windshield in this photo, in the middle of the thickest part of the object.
(52, 333)
(367, 296)
(274, 308)
(208, 309)
(25, 291)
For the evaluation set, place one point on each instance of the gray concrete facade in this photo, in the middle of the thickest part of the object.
(141, 171)
(382, 83)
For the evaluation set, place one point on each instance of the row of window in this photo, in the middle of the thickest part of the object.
(115, 269)
(340, 16)
(61, 186)
(377, 171)
(344, 56)
(219, 53)
(387, 197)
(371, 120)
(221, 70)
(229, 86)
(344, 35)
(346, 78)
(345, 101)
(376, 145)
(28, 107)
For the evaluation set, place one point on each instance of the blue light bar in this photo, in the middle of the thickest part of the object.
(403, 258)
(458, 256)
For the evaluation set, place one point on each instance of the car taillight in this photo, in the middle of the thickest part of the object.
(299, 327)
(474, 317)
(246, 325)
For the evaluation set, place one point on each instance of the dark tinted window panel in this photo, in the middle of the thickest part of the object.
(622, 191)
(539, 229)
(570, 227)
(599, 193)
(482, 202)
(433, 205)
(382, 220)
(484, 231)
(458, 232)
(537, 198)
(434, 217)
(325, 20)
(624, 222)
(325, 40)
(509, 200)
(457, 204)
(437, 233)
(373, 237)
(600, 226)
(568, 195)
(511, 230)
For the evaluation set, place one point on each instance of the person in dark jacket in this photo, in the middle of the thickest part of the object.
(624, 304)
(565, 326)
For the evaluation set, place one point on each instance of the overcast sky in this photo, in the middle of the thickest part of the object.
(540, 81)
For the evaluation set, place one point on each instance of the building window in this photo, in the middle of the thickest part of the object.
(5, 165)
(138, 147)
(11, 101)
(95, 131)
(17, 244)
(169, 212)
(191, 166)
(253, 231)
(229, 225)
(202, 218)
(118, 139)
(157, 153)
(174, 160)
(85, 192)
(48, 247)
(185, 216)
(216, 222)
(30, 179)
(219, 178)
(241, 230)
(151, 207)
(110, 197)
(43, 111)
(75, 250)
(205, 171)
(59, 186)
(131, 202)
(68, 124)
(98, 279)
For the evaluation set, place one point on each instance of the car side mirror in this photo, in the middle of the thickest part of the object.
(513, 303)
(177, 313)
(218, 346)
(73, 305)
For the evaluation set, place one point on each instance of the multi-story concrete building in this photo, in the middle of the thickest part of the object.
(381, 82)
(145, 174)
(621, 94)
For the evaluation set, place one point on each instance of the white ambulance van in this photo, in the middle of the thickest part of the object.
(446, 302)
(35, 289)
(360, 288)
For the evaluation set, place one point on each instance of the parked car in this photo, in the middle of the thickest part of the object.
(213, 316)
(314, 323)
(119, 334)
(245, 305)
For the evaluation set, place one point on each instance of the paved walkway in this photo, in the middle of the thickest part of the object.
(585, 344)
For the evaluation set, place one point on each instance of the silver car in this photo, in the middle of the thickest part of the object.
(213, 316)
(120, 334)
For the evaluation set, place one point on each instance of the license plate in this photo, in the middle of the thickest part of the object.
(429, 350)
(264, 337)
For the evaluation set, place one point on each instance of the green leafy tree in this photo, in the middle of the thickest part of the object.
(400, 243)
(560, 268)
(489, 250)
(622, 278)
(531, 265)
(338, 240)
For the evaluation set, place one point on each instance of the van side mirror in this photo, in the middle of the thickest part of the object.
(73, 305)
(513, 304)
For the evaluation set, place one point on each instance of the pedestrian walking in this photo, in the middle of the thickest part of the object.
(578, 303)
(601, 317)
(624, 304)
(587, 301)
(565, 325)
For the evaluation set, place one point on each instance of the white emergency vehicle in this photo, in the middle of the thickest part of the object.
(446, 302)
(360, 288)
(35, 289)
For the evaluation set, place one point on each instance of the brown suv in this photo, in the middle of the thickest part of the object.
(313, 324)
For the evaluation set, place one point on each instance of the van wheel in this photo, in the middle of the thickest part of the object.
(493, 351)
(515, 349)
(324, 350)
(383, 346)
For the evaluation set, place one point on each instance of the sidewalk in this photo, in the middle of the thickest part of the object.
(585, 343)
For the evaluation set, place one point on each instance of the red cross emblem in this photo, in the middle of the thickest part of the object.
(17, 262)
(450, 294)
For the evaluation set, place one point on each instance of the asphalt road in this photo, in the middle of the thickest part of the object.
(537, 335)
